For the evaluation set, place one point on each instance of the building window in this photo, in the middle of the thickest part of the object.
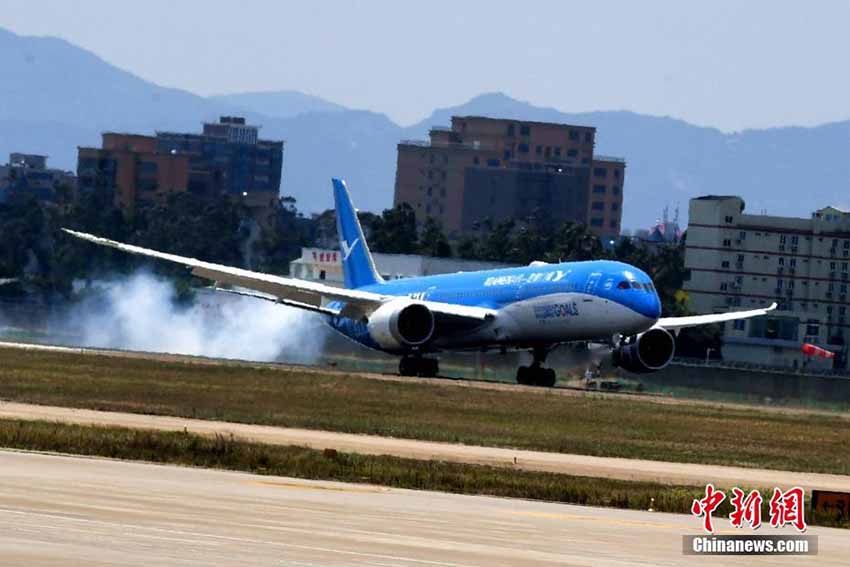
(615, 189)
(494, 162)
(599, 189)
(475, 160)
(572, 152)
(727, 242)
(522, 148)
(558, 151)
(724, 264)
(598, 206)
(524, 131)
(740, 324)
(615, 206)
(574, 135)
(587, 137)
(812, 328)
(538, 150)
(728, 219)
(507, 155)
(510, 129)
(742, 235)
(613, 224)
(596, 222)
(599, 172)
(617, 173)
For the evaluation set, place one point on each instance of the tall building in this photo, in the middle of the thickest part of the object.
(740, 261)
(227, 158)
(496, 169)
(29, 173)
(131, 167)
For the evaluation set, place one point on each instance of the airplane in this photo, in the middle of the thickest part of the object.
(536, 307)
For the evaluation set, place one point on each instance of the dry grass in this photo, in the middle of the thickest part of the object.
(582, 424)
(227, 453)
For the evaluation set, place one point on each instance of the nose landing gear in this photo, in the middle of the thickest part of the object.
(418, 366)
(536, 375)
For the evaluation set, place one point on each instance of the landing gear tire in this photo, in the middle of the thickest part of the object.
(536, 376)
(524, 376)
(547, 378)
(418, 366)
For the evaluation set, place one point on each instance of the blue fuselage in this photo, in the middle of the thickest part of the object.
(596, 298)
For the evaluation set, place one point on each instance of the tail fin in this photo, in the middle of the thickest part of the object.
(358, 267)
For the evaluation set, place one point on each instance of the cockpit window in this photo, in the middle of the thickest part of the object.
(623, 285)
(636, 285)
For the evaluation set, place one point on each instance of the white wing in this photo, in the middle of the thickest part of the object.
(291, 291)
(675, 323)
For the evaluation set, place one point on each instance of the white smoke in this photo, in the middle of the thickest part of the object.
(139, 313)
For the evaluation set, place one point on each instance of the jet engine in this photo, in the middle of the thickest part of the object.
(647, 352)
(401, 323)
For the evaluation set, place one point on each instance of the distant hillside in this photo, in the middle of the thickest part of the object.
(279, 104)
(55, 96)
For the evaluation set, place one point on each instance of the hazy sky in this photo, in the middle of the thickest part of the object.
(730, 64)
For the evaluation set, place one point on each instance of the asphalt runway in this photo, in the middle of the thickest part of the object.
(584, 465)
(59, 510)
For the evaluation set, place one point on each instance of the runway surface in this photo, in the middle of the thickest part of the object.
(607, 467)
(58, 510)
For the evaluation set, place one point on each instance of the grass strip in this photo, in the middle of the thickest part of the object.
(581, 424)
(227, 453)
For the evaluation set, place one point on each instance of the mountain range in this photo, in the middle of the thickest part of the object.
(55, 96)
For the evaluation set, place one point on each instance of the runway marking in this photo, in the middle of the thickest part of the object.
(299, 486)
(612, 521)
(133, 529)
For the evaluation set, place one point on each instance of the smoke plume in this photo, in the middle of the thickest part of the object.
(140, 313)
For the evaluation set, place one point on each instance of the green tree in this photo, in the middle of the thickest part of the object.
(574, 242)
(394, 232)
(433, 241)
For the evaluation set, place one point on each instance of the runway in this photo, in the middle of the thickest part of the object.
(583, 465)
(58, 510)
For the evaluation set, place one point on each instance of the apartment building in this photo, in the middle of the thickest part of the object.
(227, 158)
(739, 261)
(130, 166)
(29, 173)
(487, 168)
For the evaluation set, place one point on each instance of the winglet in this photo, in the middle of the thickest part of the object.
(358, 266)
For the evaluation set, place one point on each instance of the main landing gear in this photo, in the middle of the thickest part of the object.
(418, 366)
(536, 375)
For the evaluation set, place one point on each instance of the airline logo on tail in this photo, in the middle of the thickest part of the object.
(347, 248)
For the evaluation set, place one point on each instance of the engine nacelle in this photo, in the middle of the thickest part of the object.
(647, 352)
(400, 324)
